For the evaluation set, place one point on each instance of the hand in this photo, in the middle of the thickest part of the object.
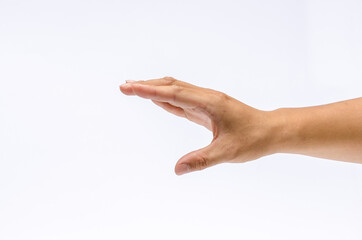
(240, 133)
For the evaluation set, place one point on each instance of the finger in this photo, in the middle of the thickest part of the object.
(127, 89)
(130, 81)
(181, 113)
(165, 81)
(177, 96)
(199, 159)
(170, 108)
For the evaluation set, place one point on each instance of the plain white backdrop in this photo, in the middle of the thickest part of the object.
(79, 160)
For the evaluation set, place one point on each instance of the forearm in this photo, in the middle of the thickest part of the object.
(332, 131)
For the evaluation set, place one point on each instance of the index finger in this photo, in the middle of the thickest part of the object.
(174, 94)
(165, 81)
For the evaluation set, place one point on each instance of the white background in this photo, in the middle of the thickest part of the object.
(79, 160)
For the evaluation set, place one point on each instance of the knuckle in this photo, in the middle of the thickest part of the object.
(219, 97)
(222, 97)
(176, 90)
(202, 162)
(170, 80)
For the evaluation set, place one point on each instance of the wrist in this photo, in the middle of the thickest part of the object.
(284, 130)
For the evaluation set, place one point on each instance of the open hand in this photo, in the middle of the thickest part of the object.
(240, 132)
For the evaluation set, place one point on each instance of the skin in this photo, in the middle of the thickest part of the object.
(242, 133)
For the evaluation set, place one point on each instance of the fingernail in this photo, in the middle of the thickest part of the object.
(182, 169)
(125, 84)
(130, 81)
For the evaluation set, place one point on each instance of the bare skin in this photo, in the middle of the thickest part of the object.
(242, 133)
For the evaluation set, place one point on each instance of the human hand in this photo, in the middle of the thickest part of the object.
(240, 133)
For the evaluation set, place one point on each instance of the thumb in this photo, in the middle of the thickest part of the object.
(199, 159)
